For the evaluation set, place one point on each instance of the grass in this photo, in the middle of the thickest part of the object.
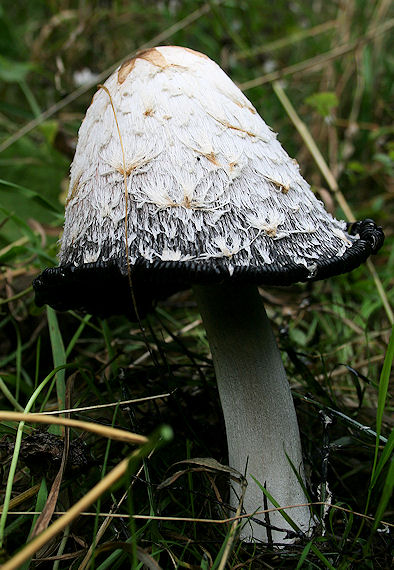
(322, 79)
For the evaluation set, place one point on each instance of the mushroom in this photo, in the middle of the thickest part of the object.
(213, 202)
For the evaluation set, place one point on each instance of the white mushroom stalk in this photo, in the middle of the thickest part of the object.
(261, 424)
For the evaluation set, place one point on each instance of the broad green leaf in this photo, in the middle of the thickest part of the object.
(29, 194)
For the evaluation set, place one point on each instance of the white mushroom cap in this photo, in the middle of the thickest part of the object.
(210, 190)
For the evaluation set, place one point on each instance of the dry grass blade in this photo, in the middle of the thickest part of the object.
(21, 241)
(314, 150)
(234, 528)
(331, 181)
(61, 523)
(288, 40)
(204, 465)
(103, 431)
(50, 505)
(163, 435)
(46, 515)
(19, 499)
(189, 19)
(218, 521)
(318, 61)
(109, 405)
(105, 524)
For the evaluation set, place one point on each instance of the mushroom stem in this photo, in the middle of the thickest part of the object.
(258, 409)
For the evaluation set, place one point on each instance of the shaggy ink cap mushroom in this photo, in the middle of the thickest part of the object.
(213, 201)
(212, 195)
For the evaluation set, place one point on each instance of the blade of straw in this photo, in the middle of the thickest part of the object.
(331, 181)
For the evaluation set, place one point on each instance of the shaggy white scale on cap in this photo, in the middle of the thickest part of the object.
(206, 177)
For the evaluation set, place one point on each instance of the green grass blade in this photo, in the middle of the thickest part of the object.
(41, 499)
(59, 356)
(9, 396)
(14, 461)
(321, 557)
(18, 359)
(76, 335)
(30, 195)
(385, 456)
(382, 397)
(282, 512)
(304, 555)
(385, 497)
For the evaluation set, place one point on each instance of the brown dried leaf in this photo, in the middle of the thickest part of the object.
(212, 464)
(205, 464)
(50, 505)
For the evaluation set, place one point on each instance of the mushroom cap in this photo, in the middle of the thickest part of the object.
(211, 194)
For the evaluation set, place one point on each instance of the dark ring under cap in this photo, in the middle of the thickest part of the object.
(103, 288)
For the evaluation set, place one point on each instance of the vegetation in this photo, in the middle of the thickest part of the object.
(319, 74)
